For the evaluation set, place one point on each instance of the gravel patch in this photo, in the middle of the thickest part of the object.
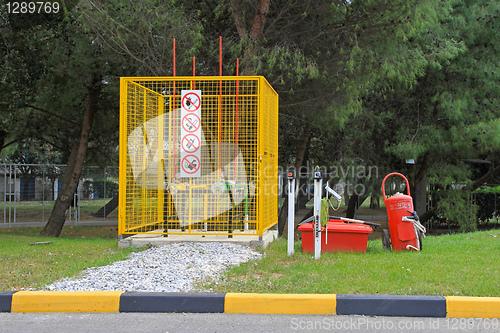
(168, 268)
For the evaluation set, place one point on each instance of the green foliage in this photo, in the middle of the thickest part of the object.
(454, 201)
(450, 112)
(455, 205)
(33, 152)
(488, 201)
(23, 37)
(138, 37)
(47, 68)
(381, 81)
(489, 189)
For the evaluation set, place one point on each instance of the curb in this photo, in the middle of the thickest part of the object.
(392, 305)
(172, 302)
(331, 304)
(6, 301)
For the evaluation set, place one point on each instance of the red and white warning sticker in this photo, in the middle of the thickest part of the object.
(191, 100)
(191, 132)
(190, 164)
(190, 143)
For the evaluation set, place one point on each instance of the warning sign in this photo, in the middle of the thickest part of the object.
(191, 101)
(191, 133)
(191, 123)
(190, 164)
(190, 143)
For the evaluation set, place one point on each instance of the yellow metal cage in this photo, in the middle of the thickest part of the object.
(228, 182)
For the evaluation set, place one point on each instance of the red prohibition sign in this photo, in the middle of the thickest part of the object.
(191, 122)
(190, 143)
(190, 164)
(191, 102)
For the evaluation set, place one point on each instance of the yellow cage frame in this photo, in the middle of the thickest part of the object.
(237, 192)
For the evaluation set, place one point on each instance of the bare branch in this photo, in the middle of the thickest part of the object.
(8, 144)
(485, 178)
(52, 114)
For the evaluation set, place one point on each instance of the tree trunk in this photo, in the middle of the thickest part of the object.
(374, 202)
(75, 164)
(420, 174)
(419, 195)
(253, 32)
(355, 201)
(352, 204)
(299, 160)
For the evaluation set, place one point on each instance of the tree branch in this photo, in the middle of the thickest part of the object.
(485, 178)
(240, 26)
(8, 144)
(52, 114)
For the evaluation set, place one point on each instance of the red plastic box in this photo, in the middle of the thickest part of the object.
(341, 237)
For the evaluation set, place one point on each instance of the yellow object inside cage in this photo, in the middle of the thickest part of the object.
(198, 155)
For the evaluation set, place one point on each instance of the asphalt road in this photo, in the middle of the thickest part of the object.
(220, 323)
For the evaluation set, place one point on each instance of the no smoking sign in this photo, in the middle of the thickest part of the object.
(191, 123)
(190, 133)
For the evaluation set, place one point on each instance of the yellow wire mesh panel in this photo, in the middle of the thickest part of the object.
(198, 155)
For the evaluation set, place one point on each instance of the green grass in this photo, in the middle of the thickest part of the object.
(460, 264)
(32, 266)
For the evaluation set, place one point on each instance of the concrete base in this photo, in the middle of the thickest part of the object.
(152, 239)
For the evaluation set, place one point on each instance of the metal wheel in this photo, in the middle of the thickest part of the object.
(419, 240)
(386, 239)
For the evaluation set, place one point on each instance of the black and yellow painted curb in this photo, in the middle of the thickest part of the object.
(326, 304)
(280, 303)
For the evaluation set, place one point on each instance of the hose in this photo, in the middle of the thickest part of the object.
(416, 223)
(418, 228)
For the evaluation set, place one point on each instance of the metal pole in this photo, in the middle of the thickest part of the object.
(78, 194)
(291, 211)
(43, 192)
(318, 184)
(10, 193)
(77, 204)
(15, 181)
(105, 197)
(5, 193)
(495, 211)
(69, 213)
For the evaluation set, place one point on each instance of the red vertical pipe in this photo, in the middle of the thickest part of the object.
(236, 119)
(174, 57)
(220, 103)
(173, 108)
(194, 67)
(220, 55)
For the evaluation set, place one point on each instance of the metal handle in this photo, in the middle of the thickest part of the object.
(395, 174)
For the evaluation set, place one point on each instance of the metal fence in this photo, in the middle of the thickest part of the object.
(198, 155)
(487, 200)
(28, 193)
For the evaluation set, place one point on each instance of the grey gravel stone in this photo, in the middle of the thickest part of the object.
(168, 268)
